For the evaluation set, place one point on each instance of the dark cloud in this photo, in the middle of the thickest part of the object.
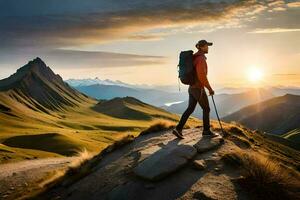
(54, 23)
(61, 23)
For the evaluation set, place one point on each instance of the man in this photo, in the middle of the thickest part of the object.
(197, 92)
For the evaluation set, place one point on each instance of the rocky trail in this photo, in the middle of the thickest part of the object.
(160, 166)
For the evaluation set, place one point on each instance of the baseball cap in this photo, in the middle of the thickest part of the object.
(203, 42)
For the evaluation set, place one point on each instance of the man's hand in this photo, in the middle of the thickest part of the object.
(211, 92)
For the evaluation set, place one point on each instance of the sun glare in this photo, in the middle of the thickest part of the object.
(254, 74)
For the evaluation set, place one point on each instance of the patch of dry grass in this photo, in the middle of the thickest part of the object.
(265, 178)
(161, 125)
(81, 157)
(158, 126)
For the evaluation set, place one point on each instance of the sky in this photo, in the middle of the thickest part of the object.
(139, 41)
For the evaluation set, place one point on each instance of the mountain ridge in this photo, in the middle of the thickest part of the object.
(277, 115)
(38, 83)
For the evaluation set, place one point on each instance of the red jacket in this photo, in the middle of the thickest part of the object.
(199, 60)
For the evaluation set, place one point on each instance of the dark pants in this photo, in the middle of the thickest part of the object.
(195, 95)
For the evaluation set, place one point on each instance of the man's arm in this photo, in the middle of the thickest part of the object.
(201, 73)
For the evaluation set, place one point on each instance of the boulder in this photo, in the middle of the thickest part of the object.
(164, 162)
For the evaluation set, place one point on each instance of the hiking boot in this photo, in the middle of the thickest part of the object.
(209, 133)
(178, 133)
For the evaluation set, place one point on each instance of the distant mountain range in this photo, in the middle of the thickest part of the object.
(151, 96)
(279, 115)
(95, 81)
(228, 100)
(226, 103)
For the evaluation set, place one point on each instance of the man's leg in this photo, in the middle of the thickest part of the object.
(203, 101)
(190, 109)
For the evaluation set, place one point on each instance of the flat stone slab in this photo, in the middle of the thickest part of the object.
(207, 143)
(164, 162)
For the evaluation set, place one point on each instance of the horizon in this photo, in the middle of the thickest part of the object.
(182, 86)
(252, 41)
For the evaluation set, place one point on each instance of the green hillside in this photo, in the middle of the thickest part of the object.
(41, 116)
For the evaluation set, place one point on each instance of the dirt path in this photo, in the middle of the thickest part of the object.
(21, 178)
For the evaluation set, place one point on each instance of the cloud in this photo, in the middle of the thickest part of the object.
(275, 30)
(146, 37)
(293, 4)
(286, 74)
(100, 59)
(53, 23)
(74, 59)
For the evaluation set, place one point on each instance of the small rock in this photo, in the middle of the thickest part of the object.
(207, 143)
(217, 169)
(11, 188)
(199, 164)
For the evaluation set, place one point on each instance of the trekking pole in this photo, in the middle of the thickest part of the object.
(178, 78)
(212, 96)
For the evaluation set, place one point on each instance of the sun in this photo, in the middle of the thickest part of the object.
(255, 74)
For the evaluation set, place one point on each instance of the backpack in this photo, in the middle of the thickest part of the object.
(186, 68)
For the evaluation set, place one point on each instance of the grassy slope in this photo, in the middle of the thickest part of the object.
(277, 115)
(277, 151)
(72, 129)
